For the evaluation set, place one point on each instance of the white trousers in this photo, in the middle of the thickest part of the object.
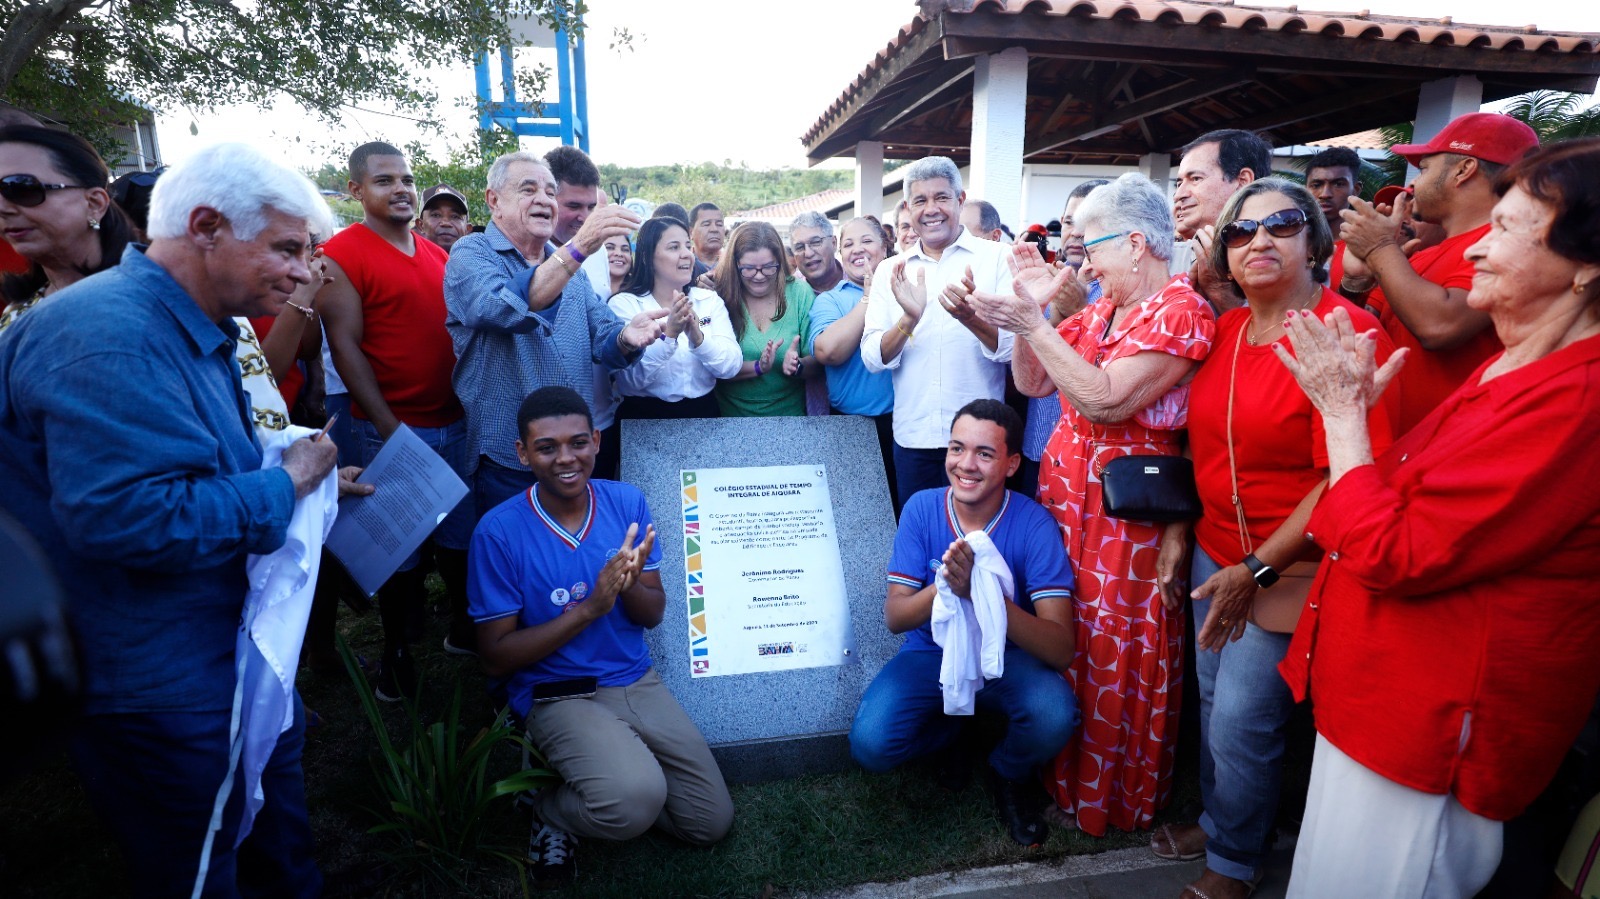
(1365, 835)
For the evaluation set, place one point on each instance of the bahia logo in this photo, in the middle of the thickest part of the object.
(560, 596)
(775, 649)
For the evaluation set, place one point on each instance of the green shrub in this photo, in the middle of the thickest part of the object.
(435, 791)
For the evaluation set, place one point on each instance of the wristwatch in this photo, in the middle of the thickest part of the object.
(1264, 574)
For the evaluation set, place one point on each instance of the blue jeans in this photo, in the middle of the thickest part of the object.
(917, 469)
(153, 778)
(343, 432)
(902, 714)
(493, 484)
(450, 442)
(1244, 708)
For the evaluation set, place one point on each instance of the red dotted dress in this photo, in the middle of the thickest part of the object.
(1127, 673)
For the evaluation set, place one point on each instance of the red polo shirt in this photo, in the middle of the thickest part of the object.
(1431, 375)
(1450, 640)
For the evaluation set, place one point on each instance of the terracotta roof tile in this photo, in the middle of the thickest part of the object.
(788, 209)
(1228, 14)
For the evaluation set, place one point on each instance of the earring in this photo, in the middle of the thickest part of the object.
(1136, 268)
(1578, 287)
(94, 224)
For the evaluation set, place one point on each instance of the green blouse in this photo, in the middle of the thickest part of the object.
(774, 393)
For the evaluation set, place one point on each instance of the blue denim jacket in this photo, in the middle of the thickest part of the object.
(126, 439)
(504, 351)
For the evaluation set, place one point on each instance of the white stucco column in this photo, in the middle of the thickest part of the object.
(999, 120)
(1158, 168)
(869, 178)
(1440, 101)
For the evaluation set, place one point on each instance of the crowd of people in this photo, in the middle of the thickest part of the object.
(1359, 434)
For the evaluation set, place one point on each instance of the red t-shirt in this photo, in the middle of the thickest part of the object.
(403, 333)
(1336, 265)
(1449, 641)
(1277, 434)
(1431, 375)
(289, 382)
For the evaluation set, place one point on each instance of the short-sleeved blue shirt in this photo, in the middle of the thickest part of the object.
(851, 388)
(524, 563)
(1022, 530)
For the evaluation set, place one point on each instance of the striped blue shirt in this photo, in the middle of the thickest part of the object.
(504, 351)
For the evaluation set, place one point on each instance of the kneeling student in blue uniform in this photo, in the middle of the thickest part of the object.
(563, 580)
(905, 711)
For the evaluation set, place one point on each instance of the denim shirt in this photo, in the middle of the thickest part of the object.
(129, 453)
(505, 351)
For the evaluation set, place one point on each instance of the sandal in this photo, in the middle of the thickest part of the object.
(1178, 849)
(1056, 816)
(1195, 891)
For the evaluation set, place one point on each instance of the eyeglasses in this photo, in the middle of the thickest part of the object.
(765, 271)
(1283, 223)
(26, 190)
(815, 245)
(1103, 240)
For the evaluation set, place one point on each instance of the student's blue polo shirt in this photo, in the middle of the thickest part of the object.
(1022, 530)
(523, 562)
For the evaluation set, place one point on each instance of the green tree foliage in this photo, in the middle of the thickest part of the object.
(84, 62)
(731, 187)
(1556, 115)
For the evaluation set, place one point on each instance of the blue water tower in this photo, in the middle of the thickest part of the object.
(532, 118)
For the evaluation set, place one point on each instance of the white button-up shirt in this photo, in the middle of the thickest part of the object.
(945, 366)
(673, 370)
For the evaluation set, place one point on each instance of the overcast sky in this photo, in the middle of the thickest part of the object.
(726, 79)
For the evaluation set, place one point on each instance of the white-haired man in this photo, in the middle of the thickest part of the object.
(523, 315)
(129, 451)
(920, 326)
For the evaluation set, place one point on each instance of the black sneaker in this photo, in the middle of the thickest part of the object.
(397, 677)
(1017, 801)
(550, 859)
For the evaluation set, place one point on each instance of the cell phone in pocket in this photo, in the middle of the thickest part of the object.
(557, 690)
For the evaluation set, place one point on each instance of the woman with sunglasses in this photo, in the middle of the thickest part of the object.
(1261, 462)
(56, 212)
(770, 310)
(674, 376)
(1121, 365)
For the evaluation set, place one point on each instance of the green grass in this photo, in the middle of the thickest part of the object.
(814, 833)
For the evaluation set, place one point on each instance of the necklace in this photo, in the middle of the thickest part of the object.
(1251, 337)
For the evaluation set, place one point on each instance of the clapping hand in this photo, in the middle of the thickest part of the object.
(680, 316)
(954, 298)
(912, 296)
(620, 572)
(768, 354)
(1041, 283)
(1336, 365)
(1367, 227)
(604, 223)
(958, 561)
(643, 330)
(791, 358)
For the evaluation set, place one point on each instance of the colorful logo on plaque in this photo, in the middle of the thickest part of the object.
(699, 646)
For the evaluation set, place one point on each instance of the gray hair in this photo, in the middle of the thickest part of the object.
(988, 216)
(930, 167)
(1131, 203)
(812, 219)
(243, 185)
(500, 172)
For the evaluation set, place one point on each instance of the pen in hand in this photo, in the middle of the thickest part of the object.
(324, 432)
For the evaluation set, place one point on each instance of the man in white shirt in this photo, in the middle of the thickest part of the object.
(942, 357)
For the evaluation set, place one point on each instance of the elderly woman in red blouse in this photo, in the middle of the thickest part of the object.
(1449, 641)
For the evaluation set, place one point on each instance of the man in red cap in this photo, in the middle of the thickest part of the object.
(1421, 301)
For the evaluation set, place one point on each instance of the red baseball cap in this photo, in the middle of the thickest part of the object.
(1489, 136)
(1388, 194)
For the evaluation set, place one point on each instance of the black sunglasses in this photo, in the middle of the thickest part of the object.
(26, 190)
(1284, 223)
